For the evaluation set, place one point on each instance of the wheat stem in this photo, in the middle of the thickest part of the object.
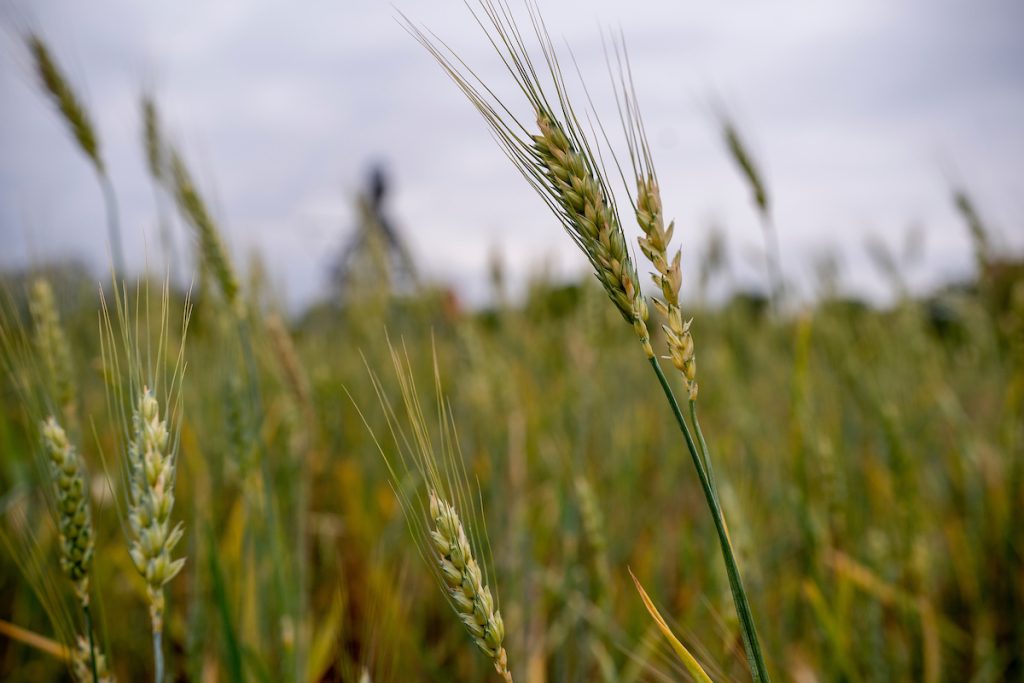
(158, 657)
(113, 223)
(703, 447)
(751, 645)
(92, 643)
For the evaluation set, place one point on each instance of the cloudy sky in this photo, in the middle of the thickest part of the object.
(862, 113)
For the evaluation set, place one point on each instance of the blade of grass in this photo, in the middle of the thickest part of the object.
(688, 660)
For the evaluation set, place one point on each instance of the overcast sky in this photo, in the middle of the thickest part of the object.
(862, 114)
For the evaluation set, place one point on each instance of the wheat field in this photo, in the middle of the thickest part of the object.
(196, 484)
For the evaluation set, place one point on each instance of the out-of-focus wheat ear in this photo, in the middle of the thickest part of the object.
(52, 345)
(86, 669)
(71, 493)
(74, 522)
(76, 116)
(156, 159)
(469, 595)
(745, 162)
(979, 232)
(597, 540)
(751, 172)
(68, 103)
(288, 359)
(211, 248)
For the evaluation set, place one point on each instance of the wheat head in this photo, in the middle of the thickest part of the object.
(470, 596)
(150, 502)
(73, 514)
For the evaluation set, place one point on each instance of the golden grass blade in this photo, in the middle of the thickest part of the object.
(688, 660)
(34, 640)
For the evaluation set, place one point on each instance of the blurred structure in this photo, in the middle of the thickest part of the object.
(375, 256)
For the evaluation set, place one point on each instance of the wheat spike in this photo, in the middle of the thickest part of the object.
(746, 163)
(470, 596)
(73, 514)
(152, 138)
(592, 218)
(654, 244)
(210, 246)
(71, 108)
(53, 346)
(81, 664)
(594, 533)
(150, 502)
(557, 160)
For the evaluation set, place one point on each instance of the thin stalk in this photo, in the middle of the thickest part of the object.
(171, 263)
(92, 644)
(158, 656)
(703, 448)
(113, 225)
(302, 550)
(774, 257)
(755, 658)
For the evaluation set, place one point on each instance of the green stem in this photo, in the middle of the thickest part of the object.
(92, 644)
(703, 449)
(113, 225)
(158, 656)
(758, 670)
(774, 257)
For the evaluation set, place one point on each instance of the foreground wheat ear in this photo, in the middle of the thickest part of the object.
(52, 344)
(562, 165)
(448, 530)
(144, 388)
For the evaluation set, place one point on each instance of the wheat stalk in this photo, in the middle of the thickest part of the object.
(561, 166)
(134, 369)
(443, 528)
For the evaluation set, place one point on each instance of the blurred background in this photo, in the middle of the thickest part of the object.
(863, 116)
